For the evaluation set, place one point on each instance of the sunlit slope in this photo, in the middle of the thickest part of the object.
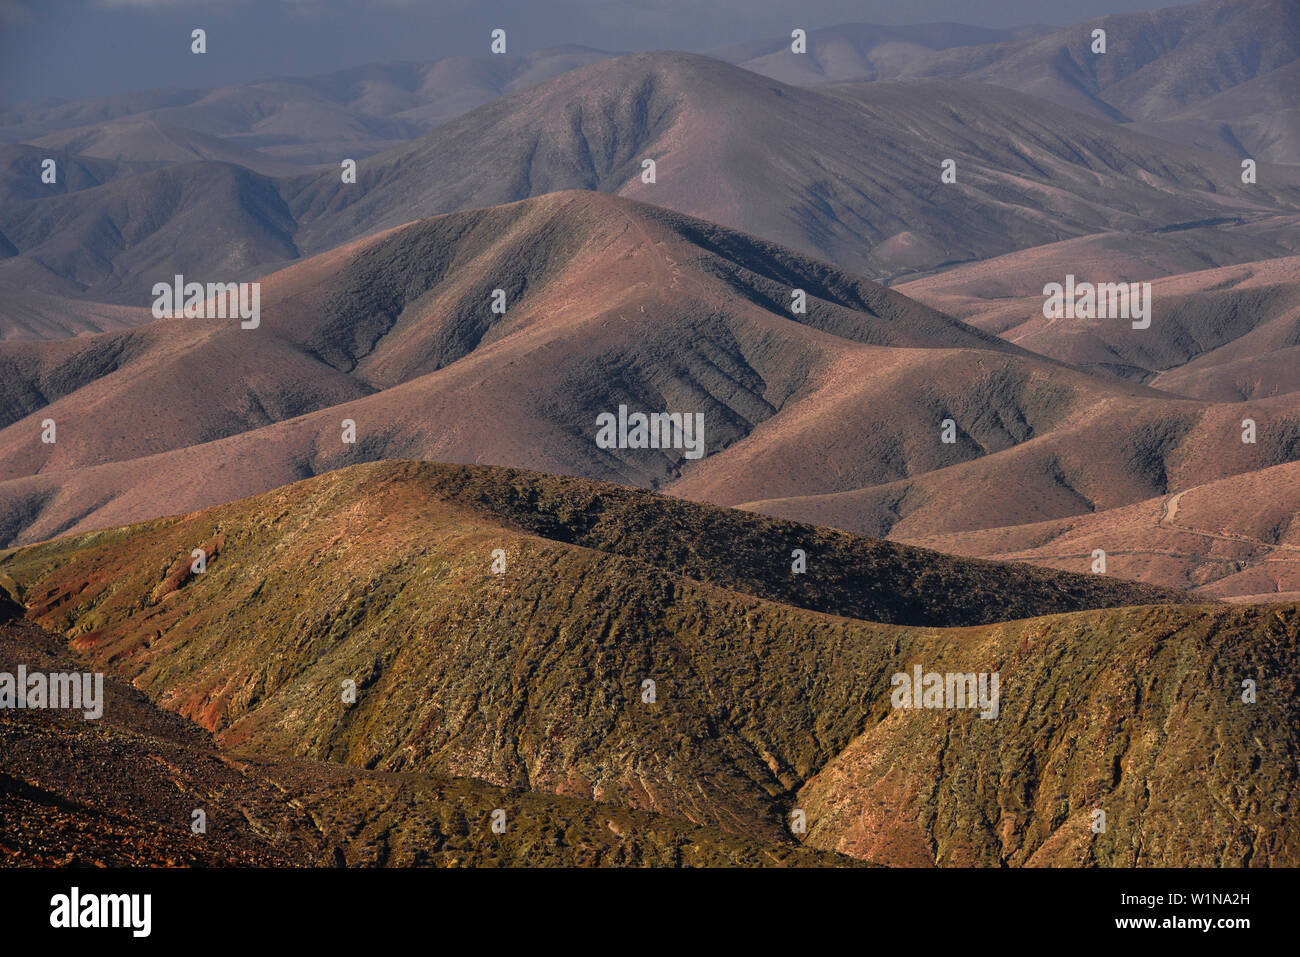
(536, 677)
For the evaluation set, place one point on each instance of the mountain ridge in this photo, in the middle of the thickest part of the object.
(529, 678)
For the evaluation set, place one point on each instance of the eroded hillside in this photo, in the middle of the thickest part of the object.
(618, 658)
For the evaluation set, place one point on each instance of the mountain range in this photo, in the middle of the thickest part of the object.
(830, 172)
(835, 266)
(1215, 74)
(612, 302)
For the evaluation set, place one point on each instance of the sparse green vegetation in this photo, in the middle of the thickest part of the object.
(530, 680)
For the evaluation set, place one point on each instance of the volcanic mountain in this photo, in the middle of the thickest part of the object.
(849, 174)
(1219, 74)
(609, 303)
(314, 119)
(1225, 334)
(662, 657)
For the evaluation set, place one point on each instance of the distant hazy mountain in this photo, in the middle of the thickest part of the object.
(861, 51)
(146, 140)
(847, 173)
(21, 172)
(1220, 73)
(113, 242)
(314, 119)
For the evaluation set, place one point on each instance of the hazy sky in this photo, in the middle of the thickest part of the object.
(86, 48)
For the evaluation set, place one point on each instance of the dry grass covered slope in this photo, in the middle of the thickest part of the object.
(122, 791)
(533, 678)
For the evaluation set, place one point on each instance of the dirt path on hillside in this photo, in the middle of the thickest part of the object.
(1171, 510)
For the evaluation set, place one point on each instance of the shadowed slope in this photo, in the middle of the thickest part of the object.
(114, 241)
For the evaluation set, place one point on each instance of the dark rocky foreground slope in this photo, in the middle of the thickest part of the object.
(528, 689)
(122, 792)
